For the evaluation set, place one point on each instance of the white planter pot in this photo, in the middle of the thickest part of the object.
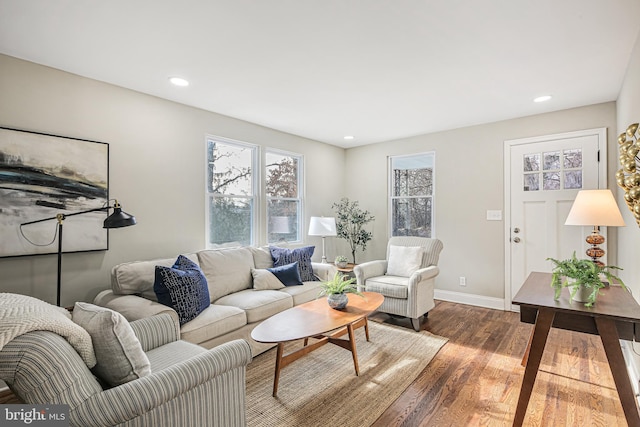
(581, 294)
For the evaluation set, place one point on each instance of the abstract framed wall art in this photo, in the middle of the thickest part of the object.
(42, 176)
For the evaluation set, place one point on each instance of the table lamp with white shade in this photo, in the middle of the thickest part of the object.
(322, 226)
(595, 208)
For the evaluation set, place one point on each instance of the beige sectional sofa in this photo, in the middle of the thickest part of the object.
(236, 308)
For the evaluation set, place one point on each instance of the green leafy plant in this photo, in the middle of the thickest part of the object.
(350, 222)
(584, 272)
(340, 284)
(340, 258)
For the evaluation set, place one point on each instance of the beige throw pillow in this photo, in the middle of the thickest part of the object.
(404, 260)
(118, 352)
(264, 279)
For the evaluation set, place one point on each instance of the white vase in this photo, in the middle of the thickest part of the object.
(581, 294)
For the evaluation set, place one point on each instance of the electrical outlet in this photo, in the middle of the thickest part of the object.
(463, 281)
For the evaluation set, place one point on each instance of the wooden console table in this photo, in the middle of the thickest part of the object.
(614, 316)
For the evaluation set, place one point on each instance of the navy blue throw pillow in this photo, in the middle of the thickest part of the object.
(182, 287)
(284, 256)
(287, 274)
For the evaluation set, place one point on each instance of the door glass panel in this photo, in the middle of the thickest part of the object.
(572, 159)
(551, 161)
(573, 179)
(551, 180)
(531, 182)
(531, 162)
(565, 164)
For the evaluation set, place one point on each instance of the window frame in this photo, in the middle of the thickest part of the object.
(260, 216)
(255, 184)
(391, 197)
(300, 178)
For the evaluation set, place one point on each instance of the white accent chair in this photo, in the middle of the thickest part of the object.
(406, 278)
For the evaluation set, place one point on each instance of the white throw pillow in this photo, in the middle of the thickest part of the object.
(118, 352)
(404, 260)
(264, 279)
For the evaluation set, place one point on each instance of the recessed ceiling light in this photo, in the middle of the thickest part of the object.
(542, 98)
(178, 81)
(349, 137)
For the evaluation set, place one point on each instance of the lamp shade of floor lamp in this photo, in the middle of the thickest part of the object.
(117, 219)
(324, 227)
(595, 208)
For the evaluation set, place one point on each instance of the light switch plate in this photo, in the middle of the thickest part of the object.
(494, 215)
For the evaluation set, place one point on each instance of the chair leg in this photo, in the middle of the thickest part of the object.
(415, 322)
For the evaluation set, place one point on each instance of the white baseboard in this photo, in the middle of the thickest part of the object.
(469, 299)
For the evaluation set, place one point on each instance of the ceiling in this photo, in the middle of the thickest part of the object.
(378, 70)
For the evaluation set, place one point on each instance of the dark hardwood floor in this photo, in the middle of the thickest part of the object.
(475, 378)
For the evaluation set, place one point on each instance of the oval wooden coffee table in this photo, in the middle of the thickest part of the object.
(315, 319)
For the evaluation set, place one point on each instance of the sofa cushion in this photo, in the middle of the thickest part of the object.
(172, 353)
(258, 304)
(288, 274)
(404, 260)
(182, 287)
(118, 352)
(305, 293)
(261, 257)
(227, 270)
(264, 279)
(137, 277)
(283, 256)
(215, 321)
(389, 286)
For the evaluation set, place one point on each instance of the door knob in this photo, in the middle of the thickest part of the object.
(516, 230)
(516, 239)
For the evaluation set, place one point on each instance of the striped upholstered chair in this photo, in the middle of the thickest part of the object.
(406, 278)
(188, 385)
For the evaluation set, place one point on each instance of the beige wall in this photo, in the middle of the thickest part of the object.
(156, 170)
(628, 111)
(469, 181)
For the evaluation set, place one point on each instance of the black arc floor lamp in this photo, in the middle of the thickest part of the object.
(117, 219)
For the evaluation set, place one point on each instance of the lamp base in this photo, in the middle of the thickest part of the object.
(595, 252)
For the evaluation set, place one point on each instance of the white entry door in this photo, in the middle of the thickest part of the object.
(542, 178)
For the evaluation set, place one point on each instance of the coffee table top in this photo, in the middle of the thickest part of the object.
(315, 318)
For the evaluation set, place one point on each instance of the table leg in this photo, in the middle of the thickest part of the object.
(611, 342)
(538, 341)
(276, 377)
(352, 342)
(366, 328)
(526, 352)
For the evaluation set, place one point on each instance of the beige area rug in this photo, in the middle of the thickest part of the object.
(321, 388)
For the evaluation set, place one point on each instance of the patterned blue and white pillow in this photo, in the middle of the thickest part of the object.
(182, 287)
(284, 256)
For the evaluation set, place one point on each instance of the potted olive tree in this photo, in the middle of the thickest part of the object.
(582, 277)
(350, 222)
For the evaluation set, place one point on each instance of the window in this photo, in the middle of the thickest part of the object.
(239, 207)
(560, 170)
(284, 202)
(231, 192)
(411, 189)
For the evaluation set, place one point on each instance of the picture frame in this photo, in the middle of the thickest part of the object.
(42, 176)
